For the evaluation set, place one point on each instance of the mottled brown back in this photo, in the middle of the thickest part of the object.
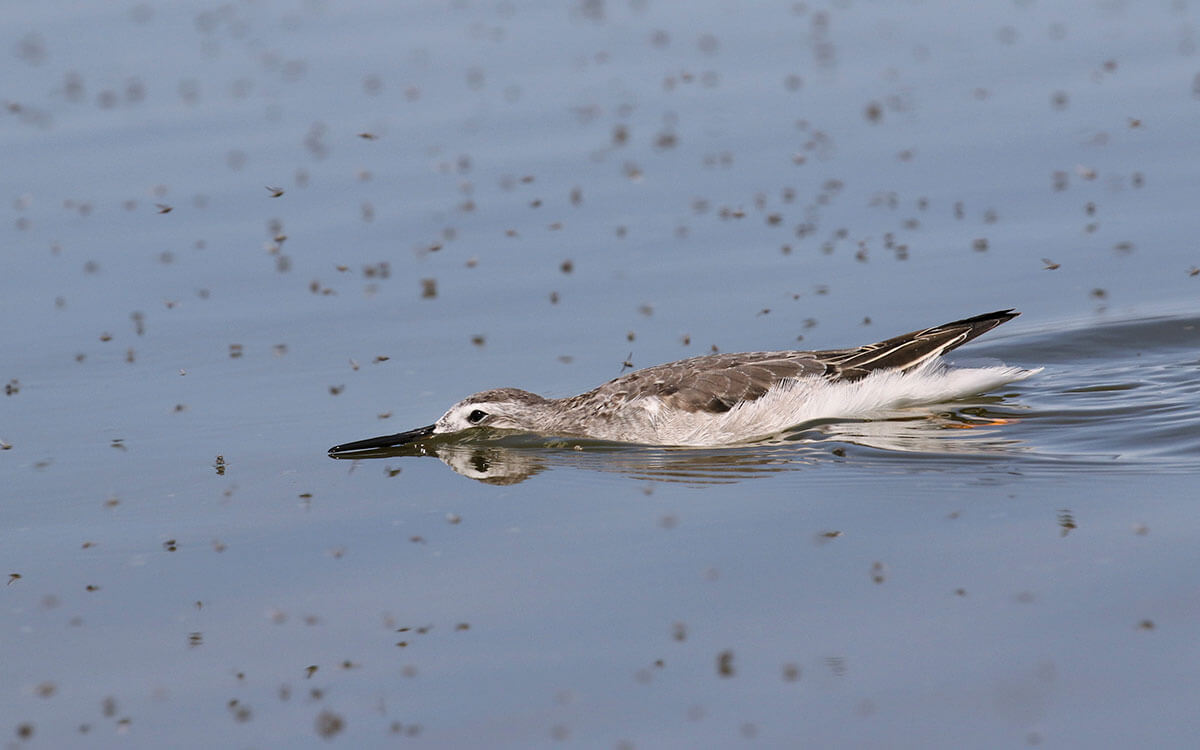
(718, 382)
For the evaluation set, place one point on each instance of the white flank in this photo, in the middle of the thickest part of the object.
(796, 402)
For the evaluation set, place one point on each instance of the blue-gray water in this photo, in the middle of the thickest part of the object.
(374, 212)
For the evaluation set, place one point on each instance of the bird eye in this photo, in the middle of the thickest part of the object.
(476, 416)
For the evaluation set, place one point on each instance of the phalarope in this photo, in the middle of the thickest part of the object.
(722, 399)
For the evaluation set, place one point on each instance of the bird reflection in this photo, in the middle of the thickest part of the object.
(504, 458)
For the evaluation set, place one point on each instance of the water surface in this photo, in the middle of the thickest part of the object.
(237, 234)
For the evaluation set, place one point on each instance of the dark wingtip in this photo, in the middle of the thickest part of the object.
(1000, 316)
(979, 324)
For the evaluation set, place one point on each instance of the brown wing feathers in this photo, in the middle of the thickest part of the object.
(911, 349)
(719, 390)
(719, 382)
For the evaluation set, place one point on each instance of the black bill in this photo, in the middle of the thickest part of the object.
(384, 441)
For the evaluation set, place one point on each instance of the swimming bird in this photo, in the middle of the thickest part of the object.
(724, 399)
